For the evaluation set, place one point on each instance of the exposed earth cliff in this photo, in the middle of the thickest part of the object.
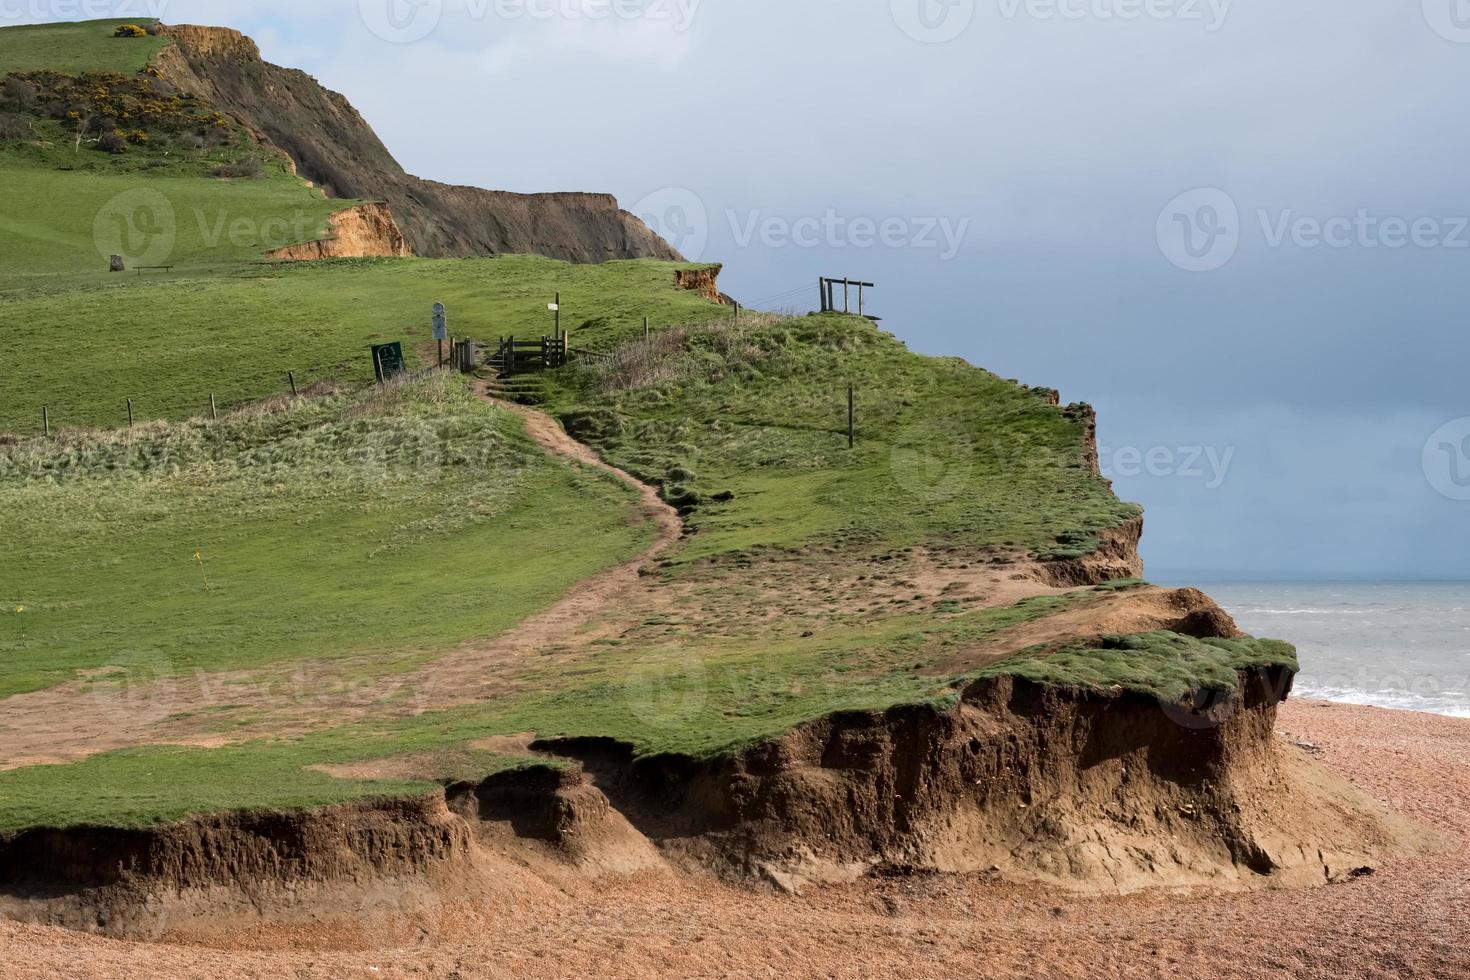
(364, 231)
(334, 147)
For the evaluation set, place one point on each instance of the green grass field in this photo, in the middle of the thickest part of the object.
(945, 451)
(58, 228)
(168, 343)
(76, 47)
(390, 528)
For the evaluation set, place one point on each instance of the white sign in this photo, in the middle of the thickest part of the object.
(441, 322)
(553, 307)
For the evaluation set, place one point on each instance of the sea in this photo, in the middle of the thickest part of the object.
(1393, 645)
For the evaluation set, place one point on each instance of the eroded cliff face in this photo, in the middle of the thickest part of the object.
(1117, 557)
(1093, 790)
(331, 145)
(704, 281)
(364, 231)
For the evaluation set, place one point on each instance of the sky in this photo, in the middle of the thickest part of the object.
(1239, 228)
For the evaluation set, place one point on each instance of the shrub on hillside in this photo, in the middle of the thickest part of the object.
(250, 168)
(13, 127)
(113, 142)
(17, 94)
(130, 30)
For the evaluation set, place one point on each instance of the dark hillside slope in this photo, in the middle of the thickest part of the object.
(333, 146)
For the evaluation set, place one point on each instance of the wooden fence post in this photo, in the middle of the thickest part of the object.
(130, 413)
(291, 377)
(851, 417)
(46, 419)
(213, 408)
(645, 329)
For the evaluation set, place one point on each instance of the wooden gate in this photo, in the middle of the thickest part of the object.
(514, 357)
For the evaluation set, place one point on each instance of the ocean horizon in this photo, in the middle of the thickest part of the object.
(1397, 644)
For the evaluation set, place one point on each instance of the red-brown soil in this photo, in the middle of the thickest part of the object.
(1410, 918)
(362, 231)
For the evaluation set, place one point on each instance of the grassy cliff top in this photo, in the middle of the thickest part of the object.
(77, 47)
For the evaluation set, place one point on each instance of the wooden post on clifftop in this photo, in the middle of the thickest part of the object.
(851, 417)
(130, 413)
(46, 420)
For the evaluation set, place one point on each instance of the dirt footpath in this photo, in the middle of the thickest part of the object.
(1410, 919)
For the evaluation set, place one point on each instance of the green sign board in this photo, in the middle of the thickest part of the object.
(388, 361)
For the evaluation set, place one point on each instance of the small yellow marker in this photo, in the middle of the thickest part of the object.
(200, 559)
(19, 610)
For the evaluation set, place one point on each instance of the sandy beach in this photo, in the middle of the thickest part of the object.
(1410, 918)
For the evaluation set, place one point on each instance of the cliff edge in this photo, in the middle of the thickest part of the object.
(334, 147)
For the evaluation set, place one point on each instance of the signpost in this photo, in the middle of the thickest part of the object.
(441, 329)
(556, 308)
(388, 361)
